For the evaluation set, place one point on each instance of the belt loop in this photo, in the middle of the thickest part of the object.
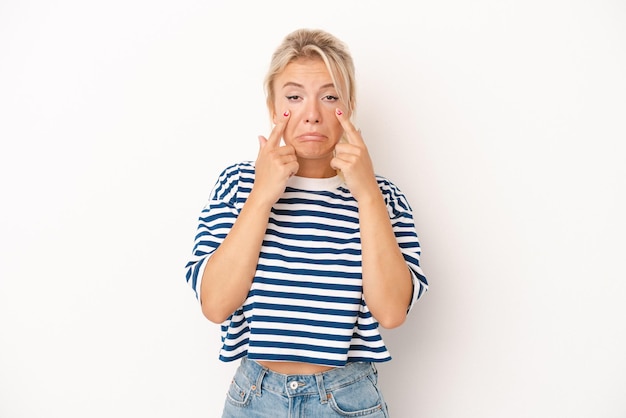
(256, 387)
(259, 380)
(319, 378)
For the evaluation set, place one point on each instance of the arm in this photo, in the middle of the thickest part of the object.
(387, 282)
(228, 274)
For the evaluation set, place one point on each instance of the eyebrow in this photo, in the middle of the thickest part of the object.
(293, 84)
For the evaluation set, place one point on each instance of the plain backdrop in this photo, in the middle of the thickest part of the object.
(502, 121)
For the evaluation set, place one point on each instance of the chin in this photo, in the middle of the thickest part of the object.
(314, 150)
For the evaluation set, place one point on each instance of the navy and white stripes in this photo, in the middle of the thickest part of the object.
(306, 301)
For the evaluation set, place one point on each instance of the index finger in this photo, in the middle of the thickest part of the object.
(278, 129)
(352, 134)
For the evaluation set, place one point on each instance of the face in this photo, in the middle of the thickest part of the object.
(306, 90)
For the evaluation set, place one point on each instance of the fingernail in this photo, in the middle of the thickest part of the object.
(286, 113)
(339, 112)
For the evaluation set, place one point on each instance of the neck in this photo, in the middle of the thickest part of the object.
(318, 169)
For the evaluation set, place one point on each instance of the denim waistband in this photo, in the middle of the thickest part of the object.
(292, 385)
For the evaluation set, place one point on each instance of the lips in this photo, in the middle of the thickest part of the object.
(311, 136)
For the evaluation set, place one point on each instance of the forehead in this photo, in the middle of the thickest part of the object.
(304, 71)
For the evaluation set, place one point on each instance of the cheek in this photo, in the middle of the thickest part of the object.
(279, 108)
(336, 128)
(288, 133)
(277, 114)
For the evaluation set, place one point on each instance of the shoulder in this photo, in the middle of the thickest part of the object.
(388, 187)
(232, 178)
(238, 169)
(394, 197)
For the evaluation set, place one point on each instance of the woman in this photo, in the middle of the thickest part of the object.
(302, 254)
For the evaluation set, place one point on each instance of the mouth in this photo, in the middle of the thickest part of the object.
(311, 136)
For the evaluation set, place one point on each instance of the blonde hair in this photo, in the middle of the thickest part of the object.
(314, 43)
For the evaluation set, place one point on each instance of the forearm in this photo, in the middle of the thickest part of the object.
(229, 271)
(387, 284)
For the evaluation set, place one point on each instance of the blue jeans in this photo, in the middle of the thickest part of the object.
(350, 391)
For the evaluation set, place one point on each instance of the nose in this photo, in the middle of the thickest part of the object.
(312, 114)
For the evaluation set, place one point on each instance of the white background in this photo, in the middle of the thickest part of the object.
(503, 122)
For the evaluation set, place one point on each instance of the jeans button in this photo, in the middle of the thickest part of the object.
(293, 385)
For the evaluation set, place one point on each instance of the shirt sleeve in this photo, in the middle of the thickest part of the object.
(403, 224)
(214, 223)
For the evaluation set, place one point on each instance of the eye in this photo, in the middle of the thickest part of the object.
(293, 98)
(330, 98)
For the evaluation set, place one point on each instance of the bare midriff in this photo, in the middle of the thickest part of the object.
(287, 367)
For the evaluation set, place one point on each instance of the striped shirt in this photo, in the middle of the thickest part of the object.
(306, 302)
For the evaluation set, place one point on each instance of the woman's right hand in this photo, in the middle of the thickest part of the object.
(275, 164)
(230, 270)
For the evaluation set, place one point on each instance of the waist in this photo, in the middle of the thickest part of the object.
(298, 384)
(290, 367)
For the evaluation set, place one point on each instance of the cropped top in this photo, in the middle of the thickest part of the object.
(306, 302)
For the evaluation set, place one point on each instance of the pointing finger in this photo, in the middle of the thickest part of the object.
(279, 128)
(352, 134)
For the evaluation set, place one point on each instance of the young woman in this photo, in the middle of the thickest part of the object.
(303, 253)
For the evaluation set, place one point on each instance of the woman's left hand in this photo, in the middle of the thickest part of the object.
(354, 161)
